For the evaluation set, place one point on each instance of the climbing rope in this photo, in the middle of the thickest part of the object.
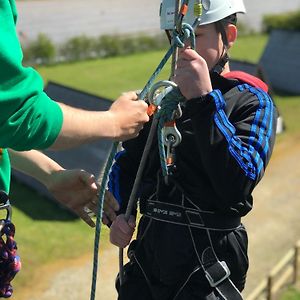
(99, 217)
(179, 38)
(165, 114)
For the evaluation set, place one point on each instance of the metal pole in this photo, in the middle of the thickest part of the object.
(175, 53)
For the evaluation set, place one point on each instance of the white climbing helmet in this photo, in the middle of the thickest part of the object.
(212, 11)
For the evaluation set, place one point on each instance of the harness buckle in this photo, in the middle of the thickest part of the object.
(5, 205)
(217, 273)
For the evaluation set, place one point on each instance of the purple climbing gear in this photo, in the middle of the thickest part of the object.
(10, 263)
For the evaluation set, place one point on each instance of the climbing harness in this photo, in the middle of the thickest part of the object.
(10, 263)
(189, 215)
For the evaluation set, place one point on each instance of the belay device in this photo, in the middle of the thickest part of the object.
(10, 263)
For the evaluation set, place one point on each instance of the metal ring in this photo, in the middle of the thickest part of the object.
(167, 84)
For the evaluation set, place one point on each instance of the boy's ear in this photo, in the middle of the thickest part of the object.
(231, 32)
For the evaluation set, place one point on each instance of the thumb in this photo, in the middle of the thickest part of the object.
(188, 54)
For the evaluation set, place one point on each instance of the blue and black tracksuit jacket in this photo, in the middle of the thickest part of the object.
(227, 141)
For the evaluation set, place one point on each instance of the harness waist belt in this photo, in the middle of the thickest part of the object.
(181, 215)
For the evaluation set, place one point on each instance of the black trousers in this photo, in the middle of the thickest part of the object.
(165, 265)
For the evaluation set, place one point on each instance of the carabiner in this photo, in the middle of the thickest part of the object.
(181, 15)
(156, 99)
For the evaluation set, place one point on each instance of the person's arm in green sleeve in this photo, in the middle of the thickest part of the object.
(29, 119)
(122, 121)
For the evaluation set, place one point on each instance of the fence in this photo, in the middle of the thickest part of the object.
(286, 271)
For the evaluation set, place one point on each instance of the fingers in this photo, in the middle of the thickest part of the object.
(110, 207)
(187, 54)
(186, 62)
(110, 214)
(93, 206)
(106, 221)
(129, 115)
(111, 201)
(131, 222)
(121, 231)
(192, 75)
(89, 180)
(86, 218)
(130, 95)
(142, 108)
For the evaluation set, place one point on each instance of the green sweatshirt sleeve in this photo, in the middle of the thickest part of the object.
(29, 119)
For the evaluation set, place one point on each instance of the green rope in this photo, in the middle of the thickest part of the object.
(99, 216)
(169, 104)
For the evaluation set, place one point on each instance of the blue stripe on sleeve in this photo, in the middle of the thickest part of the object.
(251, 158)
(267, 124)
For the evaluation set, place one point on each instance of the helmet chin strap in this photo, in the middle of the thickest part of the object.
(220, 65)
(223, 60)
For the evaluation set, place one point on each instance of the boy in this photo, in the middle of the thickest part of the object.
(190, 242)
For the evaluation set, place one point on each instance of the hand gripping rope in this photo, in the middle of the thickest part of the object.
(181, 33)
(10, 263)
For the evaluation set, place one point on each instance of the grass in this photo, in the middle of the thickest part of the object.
(112, 76)
(107, 77)
(45, 232)
(291, 294)
(249, 48)
(289, 107)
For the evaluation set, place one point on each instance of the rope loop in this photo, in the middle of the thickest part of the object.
(168, 105)
(187, 32)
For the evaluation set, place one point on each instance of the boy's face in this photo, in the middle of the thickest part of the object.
(209, 44)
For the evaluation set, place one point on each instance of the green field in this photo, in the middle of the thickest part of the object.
(291, 294)
(112, 76)
(45, 232)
